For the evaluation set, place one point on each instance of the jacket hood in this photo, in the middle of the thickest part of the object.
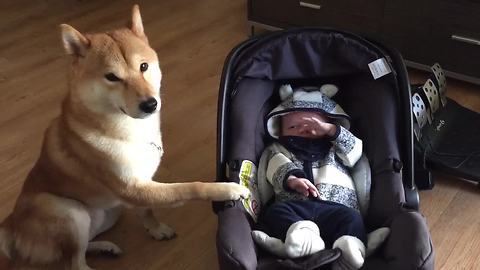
(306, 99)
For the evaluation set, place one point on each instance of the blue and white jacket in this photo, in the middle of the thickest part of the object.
(325, 162)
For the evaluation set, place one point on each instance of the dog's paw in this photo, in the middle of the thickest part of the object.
(161, 232)
(237, 192)
(104, 248)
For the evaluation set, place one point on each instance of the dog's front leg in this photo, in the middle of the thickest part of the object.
(156, 229)
(152, 194)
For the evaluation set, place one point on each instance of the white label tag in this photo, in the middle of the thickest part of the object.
(379, 68)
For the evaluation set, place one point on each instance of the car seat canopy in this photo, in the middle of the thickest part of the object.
(310, 54)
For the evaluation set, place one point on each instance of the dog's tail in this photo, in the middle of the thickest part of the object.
(6, 241)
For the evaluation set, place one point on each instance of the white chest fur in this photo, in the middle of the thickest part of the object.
(137, 155)
(140, 155)
(139, 159)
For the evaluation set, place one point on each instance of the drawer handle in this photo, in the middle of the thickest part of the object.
(309, 5)
(466, 39)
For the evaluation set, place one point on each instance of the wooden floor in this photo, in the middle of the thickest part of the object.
(192, 39)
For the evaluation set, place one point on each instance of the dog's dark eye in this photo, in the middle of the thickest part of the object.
(143, 67)
(112, 77)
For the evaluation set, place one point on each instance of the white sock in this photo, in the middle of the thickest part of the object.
(303, 238)
(353, 253)
(272, 244)
(376, 238)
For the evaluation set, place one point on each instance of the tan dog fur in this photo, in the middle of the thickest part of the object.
(97, 156)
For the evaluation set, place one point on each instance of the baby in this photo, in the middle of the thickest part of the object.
(315, 204)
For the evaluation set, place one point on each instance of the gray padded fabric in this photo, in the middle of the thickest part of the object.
(409, 245)
(235, 246)
(362, 179)
(247, 129)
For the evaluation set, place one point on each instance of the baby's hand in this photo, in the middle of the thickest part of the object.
(320, 128)
(302, 185)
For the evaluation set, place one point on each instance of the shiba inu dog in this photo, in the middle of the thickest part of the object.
(99, 155)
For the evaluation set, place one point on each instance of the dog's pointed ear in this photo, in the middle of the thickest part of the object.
(73, 41)
(136, 24)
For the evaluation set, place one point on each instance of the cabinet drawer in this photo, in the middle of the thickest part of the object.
(352, 15)
(453, 35)
(402, 17)
(458, 53)
(460, 14)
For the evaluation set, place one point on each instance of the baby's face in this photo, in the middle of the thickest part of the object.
(297, 124)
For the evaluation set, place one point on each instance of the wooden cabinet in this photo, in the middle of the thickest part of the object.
(424, 31)
(287, 13)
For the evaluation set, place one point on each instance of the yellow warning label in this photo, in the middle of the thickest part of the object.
(246, 172)
(247, 177)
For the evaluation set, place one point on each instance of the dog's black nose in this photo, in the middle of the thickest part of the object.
(148, 106)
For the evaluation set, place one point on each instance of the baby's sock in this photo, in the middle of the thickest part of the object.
(303, 238)
(353, 253)
(272, 244)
